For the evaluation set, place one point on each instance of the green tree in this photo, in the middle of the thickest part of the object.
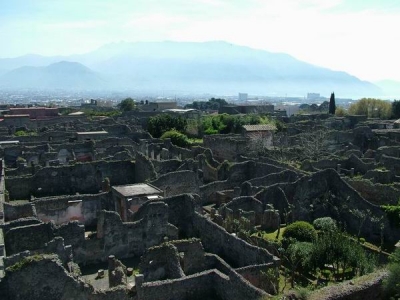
(127, 104)
(396, 109)
(297, 255)
(301, 231)
(332, 104)
(391, 284)
(159, 124)
(373, 108)
(177, 138)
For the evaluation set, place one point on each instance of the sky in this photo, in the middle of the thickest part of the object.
(360, 37)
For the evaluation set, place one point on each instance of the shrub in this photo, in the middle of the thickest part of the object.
(373, 108)
(391, 284)
(160, 124)
(325, 224)
(340, 112)
(177, 138)
(301, 231)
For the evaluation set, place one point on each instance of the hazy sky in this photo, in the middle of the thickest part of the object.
(361, 37)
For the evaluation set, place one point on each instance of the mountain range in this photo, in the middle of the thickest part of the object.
(180, 67)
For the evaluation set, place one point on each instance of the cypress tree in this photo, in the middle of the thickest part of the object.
(332, 105)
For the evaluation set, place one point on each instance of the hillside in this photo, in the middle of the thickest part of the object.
(214, 67)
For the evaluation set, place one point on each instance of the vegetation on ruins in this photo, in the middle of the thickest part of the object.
(127, 104)
(25, 133)
(224, 123)
(25, 261)
(391, 284)
(101, 113)
(160, 124)
(340, 112)
(396, 109)
(393, 214)
(373, 108)
(212, 104)
(177, 138)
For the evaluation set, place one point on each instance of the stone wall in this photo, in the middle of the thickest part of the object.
(176, 183)
(368, 287)
(323, 194)
(14, 212)
(379, 194)
(233, 250)
(133, 238)
(226, 146)
(65, 208)
(84, 178)
(42, 278)
(30, 237)
(210, 284)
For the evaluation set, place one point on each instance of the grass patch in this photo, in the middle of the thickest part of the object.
(273, 234)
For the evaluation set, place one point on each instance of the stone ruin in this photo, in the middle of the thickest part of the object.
(62, 236)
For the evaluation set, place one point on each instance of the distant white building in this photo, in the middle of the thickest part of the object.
(243, 97)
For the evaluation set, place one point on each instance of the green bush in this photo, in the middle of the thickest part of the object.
(325, 224)
(373, 108)
(162, 123)
(177, 138)
(301, 231)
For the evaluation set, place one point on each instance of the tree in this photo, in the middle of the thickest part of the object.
(177, 138)
(373, 108)
(301, 231)
(159, 124)
(332, 104)
(391, 284)
(396, 109)
(127, 104)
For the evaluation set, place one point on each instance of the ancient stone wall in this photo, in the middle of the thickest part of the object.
(270, 179)
(30, 237)
(368, 287)
(42, 278)
(144, 168)
(14, 212)
(166, 166)
(208, 191)
(176, 183)
(160, 263)
(133, 238)
(233, 250)
(379, 194)
(226, 146)
(65, 208)
(84, 178)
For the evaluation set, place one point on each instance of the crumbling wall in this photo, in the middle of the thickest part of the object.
(14, 212)
(144, 168)
(84, 178)
(133, 238)
(379, 194)
(160, 263)
(63, 209)
(176, 183)
(42, 277)
(233, 250)
(30, 237)
(226, 146)
(368, 287)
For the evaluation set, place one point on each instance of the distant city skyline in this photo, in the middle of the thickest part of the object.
(359, 37)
